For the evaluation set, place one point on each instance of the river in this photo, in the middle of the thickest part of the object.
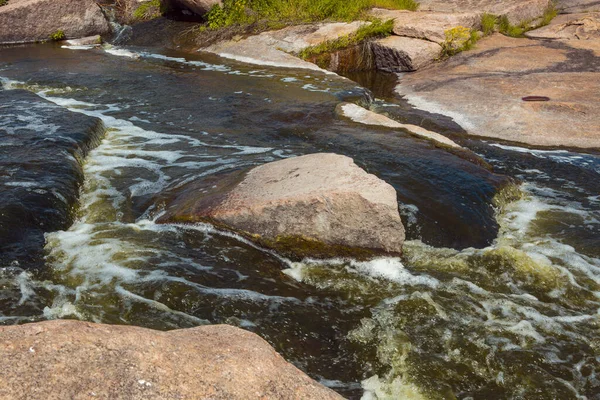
(491, 299)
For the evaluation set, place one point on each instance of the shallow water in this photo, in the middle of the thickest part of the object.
(486, 302)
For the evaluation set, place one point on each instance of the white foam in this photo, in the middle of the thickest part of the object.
(80, 47)
(115, 51)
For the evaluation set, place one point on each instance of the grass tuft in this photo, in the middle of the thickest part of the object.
(549, 13)
(410, 5)
(148, 10)
(517, 31)
(488, 23)
(282, 12)
(376, 29)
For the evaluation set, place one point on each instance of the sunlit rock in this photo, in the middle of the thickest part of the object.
(319, 205)
(24, 21)
(71, 359)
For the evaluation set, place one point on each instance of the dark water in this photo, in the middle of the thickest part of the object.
(451, 319)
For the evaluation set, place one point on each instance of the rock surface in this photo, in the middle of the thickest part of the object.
(25, 21)
(427, 25)
(517, 11)
(198, 7)
(399, 54)
(363, 116)
(570, 27)
(273, 48)
(318, 205)
(74, 360)
(482, 91)
(578, 6)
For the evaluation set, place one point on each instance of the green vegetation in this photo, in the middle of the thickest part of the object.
(148, 10)
(278, 12)
(489, 23)
(3, 2)
(410, 5)
(58, 35)
(549, 13)
(376, 29)
(458, 39)
(506, 28)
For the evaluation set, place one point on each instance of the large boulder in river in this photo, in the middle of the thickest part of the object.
(75, 360)
(25, 21)
(319, 205)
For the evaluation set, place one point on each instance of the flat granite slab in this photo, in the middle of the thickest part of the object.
(482, 91)
(516, 10)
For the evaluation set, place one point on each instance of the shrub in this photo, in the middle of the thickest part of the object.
(58, 35)
(458, 39)
(3, 2)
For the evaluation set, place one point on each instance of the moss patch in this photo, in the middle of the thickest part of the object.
(299, 247)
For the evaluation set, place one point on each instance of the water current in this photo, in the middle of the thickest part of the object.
(491, 300)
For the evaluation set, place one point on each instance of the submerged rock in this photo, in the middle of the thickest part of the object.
(43, 146)
(72, 359)
(363, 116)
(319, 205)
(25, 21)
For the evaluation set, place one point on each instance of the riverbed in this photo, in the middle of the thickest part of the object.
(491, 299)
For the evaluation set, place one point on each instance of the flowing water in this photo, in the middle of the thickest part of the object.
(488, 302)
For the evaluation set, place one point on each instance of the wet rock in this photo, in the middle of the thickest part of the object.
(570, 27)
(427, 25)
(43, 146)
(72, 359)
(517, 11)
(25, 21)
(398, 54)
(482, 91)
(197, 7)
(318, 205)
(86, 41)
(363, 116)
